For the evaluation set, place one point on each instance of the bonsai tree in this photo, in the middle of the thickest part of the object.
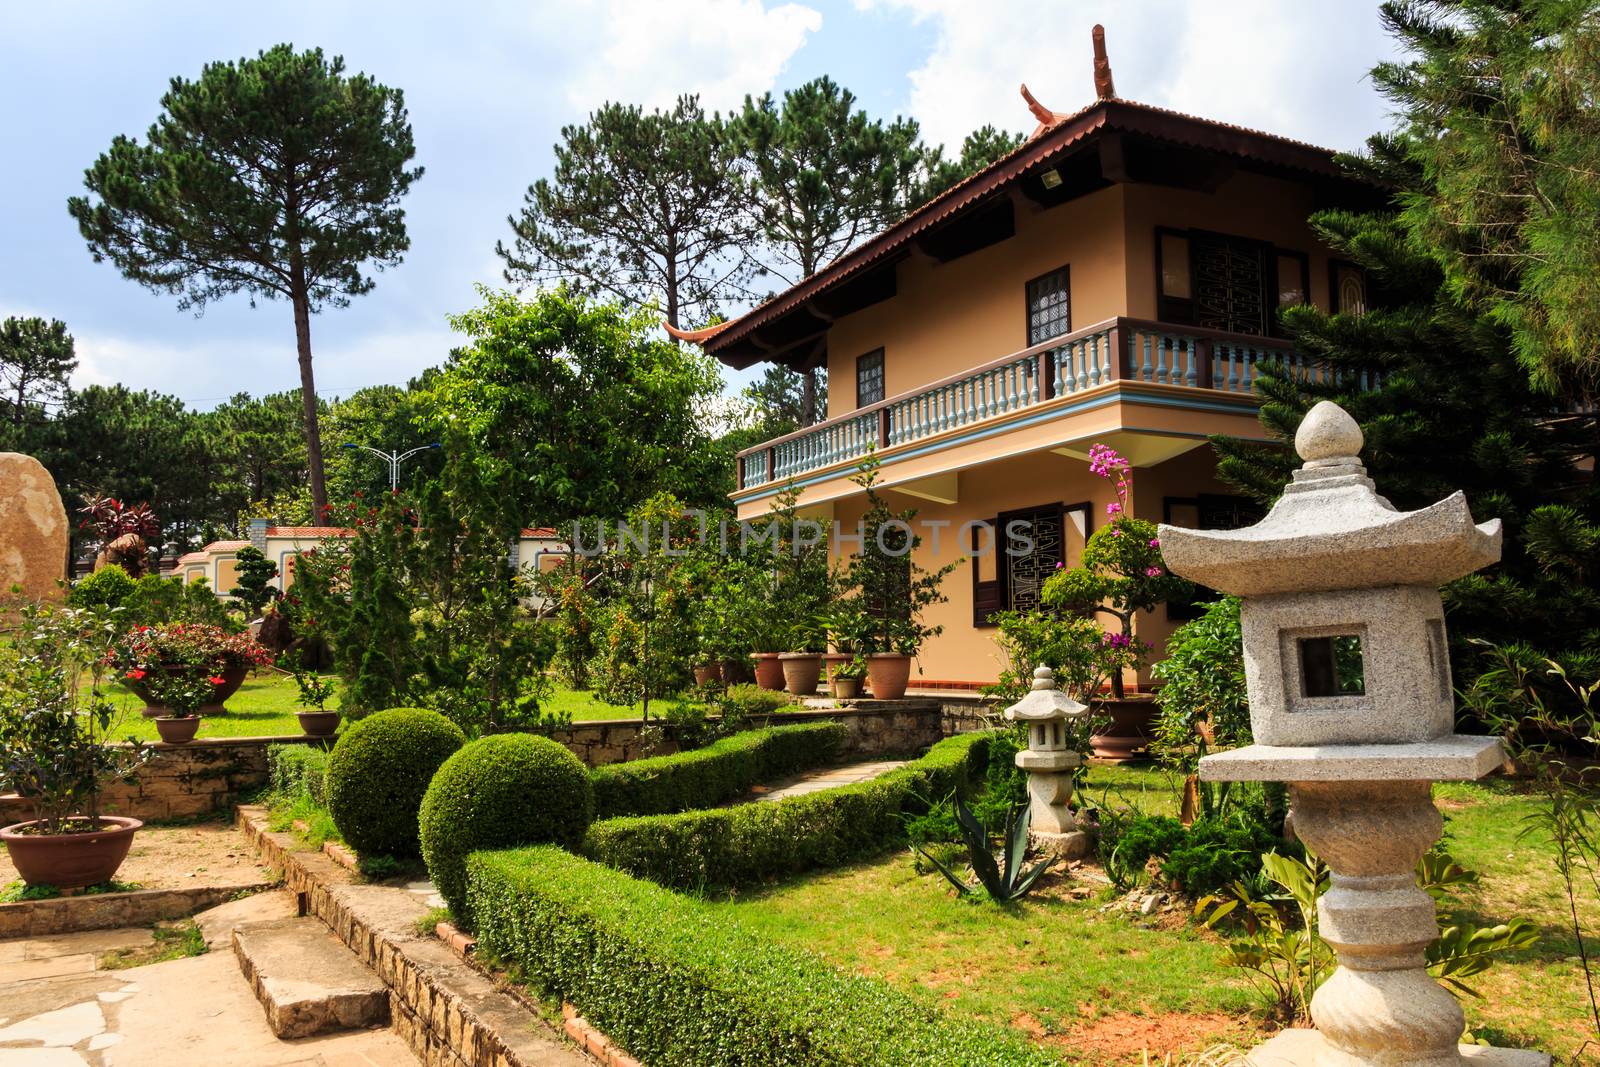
(885, 582)
(1120, 572)
(255, 572)
(55, 717)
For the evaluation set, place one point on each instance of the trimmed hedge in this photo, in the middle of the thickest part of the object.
(673, 981)
(499, 791)
(298, 771)
(728, 847)
(714, 774)
(380, 767)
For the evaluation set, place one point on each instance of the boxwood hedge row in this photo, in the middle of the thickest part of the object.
(709, 776)
(297, 771)
(727, 847)
(674, 982)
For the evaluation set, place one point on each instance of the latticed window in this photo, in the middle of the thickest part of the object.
(1049, 307)
(869, 378)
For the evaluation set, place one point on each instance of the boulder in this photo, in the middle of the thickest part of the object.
(33, 530)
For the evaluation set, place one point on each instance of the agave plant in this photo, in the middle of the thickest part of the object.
(1003, 884)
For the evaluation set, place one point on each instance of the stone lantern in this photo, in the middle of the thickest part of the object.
(1351, 704)
(1047, 712)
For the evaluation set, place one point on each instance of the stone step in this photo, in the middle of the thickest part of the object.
(306, 979)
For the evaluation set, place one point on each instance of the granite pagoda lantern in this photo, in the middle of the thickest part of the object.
(1351, 704)
(1050, 761)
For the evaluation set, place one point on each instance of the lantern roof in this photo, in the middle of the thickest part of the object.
(1044, 702)
(1331, 529)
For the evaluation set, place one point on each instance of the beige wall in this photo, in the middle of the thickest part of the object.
(949, 317)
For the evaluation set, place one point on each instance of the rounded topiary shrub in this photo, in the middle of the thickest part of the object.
(500, 791)
(377, 774)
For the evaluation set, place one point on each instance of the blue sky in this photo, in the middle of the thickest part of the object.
(489, 85)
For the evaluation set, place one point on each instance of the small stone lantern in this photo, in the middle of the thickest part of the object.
(1351, 704)
(1048, 711)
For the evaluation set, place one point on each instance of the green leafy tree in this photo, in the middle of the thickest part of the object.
(641, 207)
(389, 417)
(279, 176)
(1497, 108)
(981, 147)
(823, 176)
(581, 405)
(36, 357)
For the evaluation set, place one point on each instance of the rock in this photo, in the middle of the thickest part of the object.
(33, 530)
(1148, 906)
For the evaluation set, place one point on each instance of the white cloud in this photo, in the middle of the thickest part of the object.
(650, 51)
(1295, 70)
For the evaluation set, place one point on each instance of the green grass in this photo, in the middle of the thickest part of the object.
(265, 706)
(171, 942)
(1054, 965)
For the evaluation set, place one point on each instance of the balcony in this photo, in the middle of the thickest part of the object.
(1121, 351)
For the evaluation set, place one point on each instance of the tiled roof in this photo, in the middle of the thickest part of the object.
(309, 531)
(542, 533)
(1066, 132)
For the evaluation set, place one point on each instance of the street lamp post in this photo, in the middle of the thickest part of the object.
(394, 459)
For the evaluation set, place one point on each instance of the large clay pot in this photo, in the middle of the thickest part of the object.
(706, 673)
(769, 670)
(175, 731)
(801, 671)
(232, 679)
(318, 723)
(70, 861)
(888, 673)
(1128, 735)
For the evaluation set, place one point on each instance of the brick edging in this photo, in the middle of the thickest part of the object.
(449, 1016)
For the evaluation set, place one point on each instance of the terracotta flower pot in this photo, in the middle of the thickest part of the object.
(801, 670)
(706, 673)
(1128, 735)
(318, 723)
(735, 672)
(232, 679)
(175, 731)
(846, 688)
(70, 861)
(888, 673)
(769, 670)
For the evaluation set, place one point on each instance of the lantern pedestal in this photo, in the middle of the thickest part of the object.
(1367, 811)
(1052, 827)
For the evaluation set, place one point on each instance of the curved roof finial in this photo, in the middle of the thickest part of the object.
(1047, 119)
(1104, 87)
(694, 337)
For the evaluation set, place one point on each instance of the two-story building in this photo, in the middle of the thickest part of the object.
(1116, 279)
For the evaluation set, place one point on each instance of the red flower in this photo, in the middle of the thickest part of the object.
(134, 674)
(217, 679)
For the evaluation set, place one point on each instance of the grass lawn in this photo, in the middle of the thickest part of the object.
(1101, 988)
(265, 706)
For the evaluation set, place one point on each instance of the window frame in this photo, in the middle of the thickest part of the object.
(1065, 270)
(883, 382)
(1180, 311)
(996, 591)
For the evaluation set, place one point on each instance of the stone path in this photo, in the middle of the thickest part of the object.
(58, 1009)
(830, 779)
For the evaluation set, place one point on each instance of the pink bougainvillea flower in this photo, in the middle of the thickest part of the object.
(1152, 572)
(134, 674)
(1155, 542)
(1113, 508)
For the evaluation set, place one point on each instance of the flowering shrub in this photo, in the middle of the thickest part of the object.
(145, 649)
(1121, 572)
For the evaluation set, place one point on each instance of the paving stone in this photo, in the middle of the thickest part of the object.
(60, 1028)
(306, 979)
(217, 924)
(40, 1057)
(32, 970)
(90, 941)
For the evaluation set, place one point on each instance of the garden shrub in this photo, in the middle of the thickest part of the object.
(727, 847)
(709, 776)
(501, 790)
(295, 771)
(1197, 859)
(107, 587)
(747, 699)
(670, 979)
(378, 772)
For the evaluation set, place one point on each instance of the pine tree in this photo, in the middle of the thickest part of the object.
(981, 147)
(35, 359)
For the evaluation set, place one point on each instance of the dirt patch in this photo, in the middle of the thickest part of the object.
(1125, 1038)
(180, 857)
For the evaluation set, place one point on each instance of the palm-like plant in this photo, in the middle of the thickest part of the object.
(1003, 884)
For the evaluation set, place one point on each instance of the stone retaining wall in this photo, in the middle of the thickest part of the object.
(213, 774)
(107, 911)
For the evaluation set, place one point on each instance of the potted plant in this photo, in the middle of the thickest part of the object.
(1120, 573)
(847, 632)
(847, 676)
(145, 652)
(803, 668)
(890, 590)
(54, 722)
(315, 691)
(182, 693)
